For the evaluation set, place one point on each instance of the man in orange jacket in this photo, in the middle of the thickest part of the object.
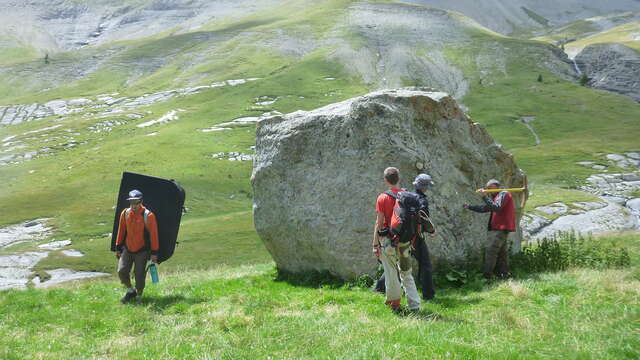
(137, 237)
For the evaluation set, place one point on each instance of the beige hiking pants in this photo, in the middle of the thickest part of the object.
(397, 274)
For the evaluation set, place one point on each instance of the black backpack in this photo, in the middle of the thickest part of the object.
(423, 215)
(404, 222)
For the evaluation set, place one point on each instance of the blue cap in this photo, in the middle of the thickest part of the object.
(135, 195)
(423, 182)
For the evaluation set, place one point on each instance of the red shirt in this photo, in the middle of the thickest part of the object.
(385, 204)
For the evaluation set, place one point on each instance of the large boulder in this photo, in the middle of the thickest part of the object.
(317, 175)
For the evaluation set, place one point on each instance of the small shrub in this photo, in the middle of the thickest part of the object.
(363, 281)
(318, 279)
(566, 250)
(584, 79)
(314, 279)
(540, 78)
(458, 275)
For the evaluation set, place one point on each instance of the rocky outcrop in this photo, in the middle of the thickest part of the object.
(507, 16)
(612, 67)
(591, 218)
(105, 104)
(617, 209)
(317, 174)
(16, 268)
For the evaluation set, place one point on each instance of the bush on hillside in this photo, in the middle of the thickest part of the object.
(566, 250)
(584, 79)
(560, 252)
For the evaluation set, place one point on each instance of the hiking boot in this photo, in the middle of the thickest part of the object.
(128, 296)
(393, 304)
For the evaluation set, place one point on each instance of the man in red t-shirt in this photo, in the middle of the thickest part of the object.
(389, 254)
(501, 222)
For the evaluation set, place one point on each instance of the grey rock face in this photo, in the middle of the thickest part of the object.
(612, 67)
(613, 217)
(532, 224)
(634, 205)
(554, 209)
(317, 175)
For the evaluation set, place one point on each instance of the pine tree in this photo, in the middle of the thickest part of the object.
(584, 79)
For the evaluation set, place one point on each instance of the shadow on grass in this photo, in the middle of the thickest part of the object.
(451, 302)
(162, 303)
(428, 315)
(310, 279)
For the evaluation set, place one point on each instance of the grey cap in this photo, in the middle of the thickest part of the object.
(135, 195)
(423, 182)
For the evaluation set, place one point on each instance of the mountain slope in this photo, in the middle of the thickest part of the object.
(524, 16)
(183, 106)
(582, 28)
(626, 34)
(60, 25)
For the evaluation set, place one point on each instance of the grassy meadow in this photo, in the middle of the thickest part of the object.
(244, 312)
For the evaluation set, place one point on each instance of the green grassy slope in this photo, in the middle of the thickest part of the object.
(76, 187)
(241, 312)
(582, 28)
(627, 34)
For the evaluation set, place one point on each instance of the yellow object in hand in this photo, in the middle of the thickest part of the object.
(499, 190)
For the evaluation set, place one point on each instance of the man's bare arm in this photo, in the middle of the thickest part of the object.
(378, 226)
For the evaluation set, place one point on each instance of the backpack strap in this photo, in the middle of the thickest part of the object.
(392, 194)
(145, 216)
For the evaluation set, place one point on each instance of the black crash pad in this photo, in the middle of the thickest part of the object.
(165, 198)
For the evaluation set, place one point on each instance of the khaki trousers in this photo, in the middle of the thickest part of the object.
(397, 275)
(496, 256)
(127, 260)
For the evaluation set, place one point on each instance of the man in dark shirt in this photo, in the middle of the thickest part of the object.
(422, 183)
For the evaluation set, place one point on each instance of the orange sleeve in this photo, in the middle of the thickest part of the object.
(122, 228)
(152, 227)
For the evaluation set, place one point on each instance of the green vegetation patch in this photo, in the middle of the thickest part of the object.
(241, 312)
(626, 34)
